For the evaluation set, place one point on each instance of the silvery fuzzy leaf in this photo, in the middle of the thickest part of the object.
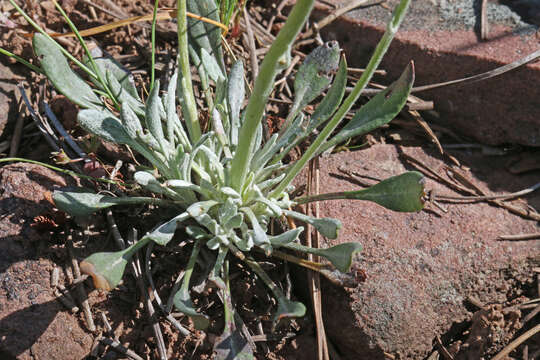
(105, 62)
(315, 73)
(259, 235)
(104, 125)
(227, 210)
(164, 233)
(211, 66)
(235, 97)
(268, 184)
(153, 116)
(149, 182)
(201, 208)
(234, 222)
(341, 256)
(196, 232)
(205, 35)
(122, 95)
(245, 243)
(230, 192)
(130, 121)
(59, 73)
(286, 237)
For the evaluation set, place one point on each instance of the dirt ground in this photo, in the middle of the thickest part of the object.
(42, 306)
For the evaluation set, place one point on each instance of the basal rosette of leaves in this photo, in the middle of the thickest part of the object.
(227, 184)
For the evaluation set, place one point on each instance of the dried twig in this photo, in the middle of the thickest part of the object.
(519, 237)
(443, 349)
(17, 132)
(313, 277)
(83, 297)
(514, 344)
(120, 348)
(484, 25)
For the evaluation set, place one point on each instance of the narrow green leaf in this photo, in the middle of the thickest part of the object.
(340, 256)
(380, 110)
(58, 71)
(331, 100)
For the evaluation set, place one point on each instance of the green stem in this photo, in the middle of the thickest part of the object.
(153, 59)
(184, 79)
(64, 51)
(323, 197)
(88, 54)
(65, 171)
(378, 54)
(21, 60)
(262, 88)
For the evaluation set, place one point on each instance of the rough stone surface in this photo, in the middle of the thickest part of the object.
(420, 266)
(26, 296)
(7, 96)
(440, 37)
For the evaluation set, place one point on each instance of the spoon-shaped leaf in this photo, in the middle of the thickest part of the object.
(107, 268)
(84, 202)
(340, 256)
(286, 309)
(399, 193)
(326, 226)
(58, 71)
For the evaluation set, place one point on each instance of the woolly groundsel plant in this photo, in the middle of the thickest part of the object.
(226, 184)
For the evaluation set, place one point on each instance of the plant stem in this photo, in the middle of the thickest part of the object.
(264, 83)
(65, 171)
(374, 62)
(184, 79)
(21, 60)
(153, 59)
(64, 51)
(88, 54)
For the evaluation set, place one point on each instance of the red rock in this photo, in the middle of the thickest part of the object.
(420, 266)
(439, 36)
(33, 324)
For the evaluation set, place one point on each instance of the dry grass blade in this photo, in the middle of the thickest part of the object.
(313, 277)
(333, 16)
(483, 76)
(167, 14)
